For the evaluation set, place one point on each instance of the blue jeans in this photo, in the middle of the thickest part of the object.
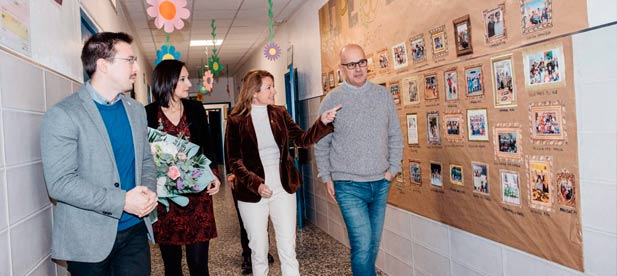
(363, 206)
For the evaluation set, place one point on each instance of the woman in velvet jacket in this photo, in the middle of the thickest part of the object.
(257, 138)
(192, 225)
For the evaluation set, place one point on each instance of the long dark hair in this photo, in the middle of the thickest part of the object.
(164, 80)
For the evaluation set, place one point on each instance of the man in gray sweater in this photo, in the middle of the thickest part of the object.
(358, 160)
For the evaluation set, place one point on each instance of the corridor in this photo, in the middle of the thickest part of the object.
(318, 253)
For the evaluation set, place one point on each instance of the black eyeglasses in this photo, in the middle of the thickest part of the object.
(352, 65)
(131, 59)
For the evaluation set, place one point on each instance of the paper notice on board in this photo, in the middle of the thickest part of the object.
(15, 25)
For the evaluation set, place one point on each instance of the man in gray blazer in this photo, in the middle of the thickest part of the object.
(98, 166)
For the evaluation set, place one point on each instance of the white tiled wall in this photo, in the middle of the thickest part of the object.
(26, 91)
(415, 245)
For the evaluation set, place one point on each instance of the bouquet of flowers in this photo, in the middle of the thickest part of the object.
(179, 168)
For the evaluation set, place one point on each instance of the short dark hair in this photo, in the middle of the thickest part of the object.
(101, 45)
(164, 80)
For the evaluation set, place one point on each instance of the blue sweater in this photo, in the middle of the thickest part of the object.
(121, 137)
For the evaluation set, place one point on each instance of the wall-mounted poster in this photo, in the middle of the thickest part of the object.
(503, 81)
(494, 24)
(384, 61)
(480, 177)
(436, 176)
(451, 84)
(454, 126)
(430, 87)
(394, 91)
(15, 25)
(432, 123)
(566, 189)
(417, 49)
(462, 35)
(456, 175)
(510, 187)
(477, 125)
(546, 122)
(412, 129)
(399, 56)
(473, 75)
(544, 67)
(411, 95)
(415, 173)
(439, 41)
(536, 15)
(539, 182)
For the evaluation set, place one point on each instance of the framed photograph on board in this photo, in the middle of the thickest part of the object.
(415, 172)
(480, 177)
(418, 54)
(395, 92)
(431, 91)
(473, 77)
(399, 56)
(539, 182)
(384, 61)
(477, 125)
(566, 189)
(494, 24)
(536, 15)
(432, 130)
(456, 175)
(503, 81)
(370, 64)
(436, 176)
(508, 143)
(331, 79)
(510, 187)
(409, 88)
(412, 129)
(454, 126)
(450, 82)
(547, 122)
(544, 67)
(439, 41)
(462, 35)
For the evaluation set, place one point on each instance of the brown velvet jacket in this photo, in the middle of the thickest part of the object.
(242, 153)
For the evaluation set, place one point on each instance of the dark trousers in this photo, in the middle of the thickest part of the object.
(244, 238)
(130, 256)
(196, 259)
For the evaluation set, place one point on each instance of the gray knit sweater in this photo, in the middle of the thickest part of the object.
(367, 139)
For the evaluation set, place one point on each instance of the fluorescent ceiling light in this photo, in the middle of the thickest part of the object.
(217, 42)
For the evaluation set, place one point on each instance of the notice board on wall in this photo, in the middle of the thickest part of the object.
(485, 95)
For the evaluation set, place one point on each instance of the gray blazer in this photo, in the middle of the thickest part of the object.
(81, 175)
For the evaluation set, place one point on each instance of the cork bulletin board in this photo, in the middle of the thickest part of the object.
(485, 95)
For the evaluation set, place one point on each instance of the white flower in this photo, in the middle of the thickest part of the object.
(166, 147)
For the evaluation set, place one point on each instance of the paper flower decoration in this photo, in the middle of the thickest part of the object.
(168, 14)
(166, 52)
(272, 51)
(208, 81)
(214, 65)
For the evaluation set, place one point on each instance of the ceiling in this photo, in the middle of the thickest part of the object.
(242, 24)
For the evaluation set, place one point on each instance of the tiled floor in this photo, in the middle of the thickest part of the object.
(318, 253)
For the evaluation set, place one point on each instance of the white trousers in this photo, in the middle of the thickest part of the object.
(281, 208)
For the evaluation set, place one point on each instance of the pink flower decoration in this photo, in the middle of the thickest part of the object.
(173, 172)
(181, 155)
(168, 13)
(208, 81)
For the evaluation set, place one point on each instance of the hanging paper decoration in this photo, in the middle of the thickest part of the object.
(168, 14)
(207, 81)
(213, 63)
(272, 51)
(166, 52)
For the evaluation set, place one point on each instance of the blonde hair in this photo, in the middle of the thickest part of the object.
(251, 84)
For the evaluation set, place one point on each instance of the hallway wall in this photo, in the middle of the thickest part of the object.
(415, 245)
(28, 87)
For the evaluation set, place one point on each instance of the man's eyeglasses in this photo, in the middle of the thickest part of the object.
(352, 65)
(131, 59)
